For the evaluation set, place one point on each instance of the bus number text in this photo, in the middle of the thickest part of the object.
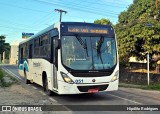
(78, 81)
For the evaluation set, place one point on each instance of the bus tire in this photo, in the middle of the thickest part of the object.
(45, 86)
(25, 78)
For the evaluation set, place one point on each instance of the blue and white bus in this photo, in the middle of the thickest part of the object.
(71, 58)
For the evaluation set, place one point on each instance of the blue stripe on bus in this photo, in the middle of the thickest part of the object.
(20, 67)
(26, 67)
(23, 64)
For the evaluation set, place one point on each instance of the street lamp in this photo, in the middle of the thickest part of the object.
(148, 77)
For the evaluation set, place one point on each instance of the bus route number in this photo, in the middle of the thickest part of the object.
(78, 81)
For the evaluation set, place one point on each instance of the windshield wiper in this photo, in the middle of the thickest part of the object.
(84, 44)
(98, 47)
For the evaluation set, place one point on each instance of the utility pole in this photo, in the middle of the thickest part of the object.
(156, 4)
(148, 78)
(60, 11)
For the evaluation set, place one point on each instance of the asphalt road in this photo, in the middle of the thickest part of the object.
(124, 96)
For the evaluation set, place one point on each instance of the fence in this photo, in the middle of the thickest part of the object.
(137, 74)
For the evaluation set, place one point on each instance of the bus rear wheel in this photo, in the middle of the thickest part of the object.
(25, 78)
(45, 86)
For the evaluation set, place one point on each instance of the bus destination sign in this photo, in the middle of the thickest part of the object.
(80, 29)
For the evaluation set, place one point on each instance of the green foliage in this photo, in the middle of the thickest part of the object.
(1, 77)
(1, 74)
(4, 47)
(103, 21)
(134, 37)
(3, 82)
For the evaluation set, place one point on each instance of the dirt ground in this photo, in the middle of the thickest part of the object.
(19, 93)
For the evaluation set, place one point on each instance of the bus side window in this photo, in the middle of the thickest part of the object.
(36, 47)
(44, 46)
(21, 53)
(30, 51)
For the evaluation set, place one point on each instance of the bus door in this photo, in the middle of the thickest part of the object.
(55, 62)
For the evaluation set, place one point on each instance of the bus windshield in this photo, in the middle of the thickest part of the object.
(88, 53)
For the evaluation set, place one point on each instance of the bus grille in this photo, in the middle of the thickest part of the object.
(92, 74)
(86, 88)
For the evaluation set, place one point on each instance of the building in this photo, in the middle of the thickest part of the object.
(14, 53)
(133, 59)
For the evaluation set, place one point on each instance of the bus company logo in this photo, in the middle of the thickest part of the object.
(36, 64)
(6, 108)
(94, 80)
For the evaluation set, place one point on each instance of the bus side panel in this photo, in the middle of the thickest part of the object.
(48, 68)
(40, 66)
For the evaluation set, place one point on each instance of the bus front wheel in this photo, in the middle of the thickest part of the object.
(45, 86)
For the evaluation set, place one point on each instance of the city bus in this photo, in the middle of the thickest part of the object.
(71, 58)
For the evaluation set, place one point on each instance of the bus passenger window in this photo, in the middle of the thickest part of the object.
(21, 53)
(30, 51)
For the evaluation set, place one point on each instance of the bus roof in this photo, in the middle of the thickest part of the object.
(41, 32)
(84, 23)
(56, 25)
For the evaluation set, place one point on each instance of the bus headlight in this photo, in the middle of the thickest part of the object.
(115, 77)
(66, 78)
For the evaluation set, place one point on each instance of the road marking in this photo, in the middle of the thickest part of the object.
(34, 87)
(125, 99)
(52, 99)
(42, 93)
(67, 109)
(9, 72)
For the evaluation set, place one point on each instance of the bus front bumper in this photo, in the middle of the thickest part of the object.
(65, 88)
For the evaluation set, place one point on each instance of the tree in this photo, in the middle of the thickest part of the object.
(103, 21)
(138, 30)
(4, 46)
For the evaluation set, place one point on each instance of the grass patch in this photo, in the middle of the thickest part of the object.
(146, 87)
(152, 87)
(6, 80)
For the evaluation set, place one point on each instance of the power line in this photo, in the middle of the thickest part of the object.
(8, 5)
(77, 8)
(82, 10)
(47, 2)
(85, 6)
(48, 12)
(13, 23)
(15, 28)
(110, 5)
(82, 17)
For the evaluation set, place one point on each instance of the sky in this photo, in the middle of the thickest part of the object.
(32, 16)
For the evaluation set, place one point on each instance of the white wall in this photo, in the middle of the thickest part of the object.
(14, 54)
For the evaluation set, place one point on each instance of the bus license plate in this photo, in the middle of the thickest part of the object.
(93, 90)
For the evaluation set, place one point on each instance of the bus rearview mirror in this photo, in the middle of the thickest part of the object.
(57, 43)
